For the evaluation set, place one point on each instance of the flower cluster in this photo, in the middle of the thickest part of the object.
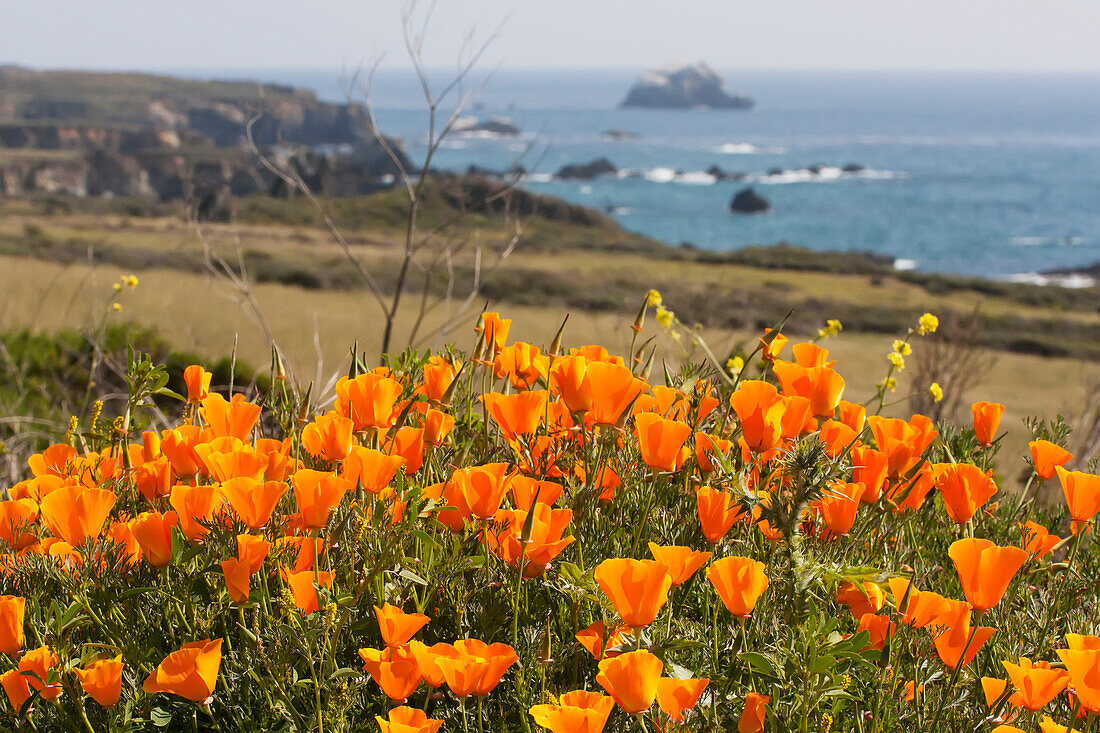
(523, 539)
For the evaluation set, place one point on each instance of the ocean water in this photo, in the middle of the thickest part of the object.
(994, 175)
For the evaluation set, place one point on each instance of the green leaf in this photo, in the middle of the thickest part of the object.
(760, 663)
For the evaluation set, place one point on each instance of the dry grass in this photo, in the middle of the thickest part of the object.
(314, 330)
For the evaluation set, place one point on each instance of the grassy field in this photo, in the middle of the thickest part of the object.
(59, 259)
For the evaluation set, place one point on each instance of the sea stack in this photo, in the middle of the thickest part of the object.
(748, 201)
(684, 86)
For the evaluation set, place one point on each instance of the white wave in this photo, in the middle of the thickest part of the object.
(904, 264)
(539, 177)
(454, 144)
(696, 178)
(748, 149)
(586, 189)
(1070, 280)
(1046, 241)
(659, 175)
(620, 210)
(824, 174)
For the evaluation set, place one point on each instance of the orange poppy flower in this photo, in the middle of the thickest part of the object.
(408, 443)
(394, 669)
(519, 413)
(1047, 725)
(121, 533)
(398, 627)
(878, 628)
(439, 372)
(923, 607)
(821, 385)
(12, 609)
(102, 680)
(427, 659)
(682, 561)
(1082, 492)
(576, 712)
(599, 642)
(661, 441)
(852, 414)
(545, 543)
(178, 446)
(954, 632)
(717, 512)
(902, 442)
(437, 426)
(771, 350)
(328, 437)
(567, 380)
(595, 352)
(481, 488)
(252, 501)
(303, 586)
(835, 436)
(987, 418)
(740, 581)
(754, 714)
(234, 418)
(908, 495)
(637, 588)
(75, 513)
(614, 388)
(16, 516)
(369, 400)
(1047, 456)
(965, 489)
(526, 490)
(707, 449)
(631, 679)
(992, 689)
(1037, 539)
(477, 668)
(153, 532)
(674, 696)
(19, 686)
(54, 461)
(407, 720)
(226, 458)
(317, 494)
(861, 599)
(1083, 666)
(495, 330)
(197, 381)
(237, 579)
(371, 469)
(522, 363)
(796, 419)
(194, 505)
(985, 569)
(838, 507)
(1036, 683)
(760, 412)
(191, 672)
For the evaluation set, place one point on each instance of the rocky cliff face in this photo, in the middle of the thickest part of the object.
(144, 135)
(684, 86)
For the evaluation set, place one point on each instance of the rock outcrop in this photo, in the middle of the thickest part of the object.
(684, 86)
(748, 201)
(492, 127)
(97, 134)
(587, 171)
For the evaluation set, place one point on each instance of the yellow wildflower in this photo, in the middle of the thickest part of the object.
(897, 360)
(665, 316)
(826, 723)
(117, 306)
(131, 281)
(735, 364)
(653, 298)
(928, 323)
(889, 384)
(935, 391)
(117, 287)
(833, 327)
(902, 347)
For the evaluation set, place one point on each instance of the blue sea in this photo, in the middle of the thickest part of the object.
(994, 174)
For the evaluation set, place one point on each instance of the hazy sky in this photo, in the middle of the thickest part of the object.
(731, 34)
